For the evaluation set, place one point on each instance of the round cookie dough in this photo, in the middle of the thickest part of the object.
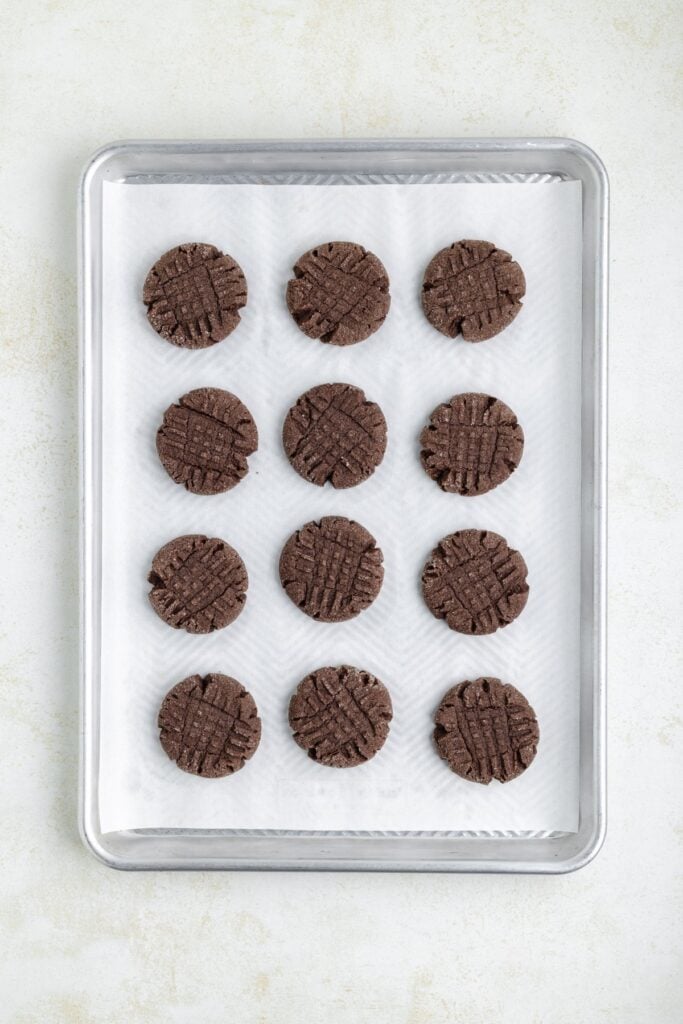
(472, 288)
(205, 439)
(475, 582)
(199, 583)
(331, 569)
(340, 716)
(209, 725)
(193, 295)
(472, 443)
(335, 434)
(486, 730)
(339, 293)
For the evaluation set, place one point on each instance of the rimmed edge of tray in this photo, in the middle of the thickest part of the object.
(373, 160)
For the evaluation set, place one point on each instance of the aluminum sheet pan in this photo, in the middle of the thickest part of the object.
(540, 161)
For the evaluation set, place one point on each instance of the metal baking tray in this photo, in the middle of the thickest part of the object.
(367, 161)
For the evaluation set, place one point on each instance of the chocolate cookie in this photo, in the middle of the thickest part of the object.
(339, 293)
(486, 730)
(472, 444)
(472, 288)
(209, 725)
(340, 716)
(332, 570)
(475, 582)
(199, 583)
(204, 440)
(335, 434)
(193, 295)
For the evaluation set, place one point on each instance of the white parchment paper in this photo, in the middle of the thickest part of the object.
(408, 368)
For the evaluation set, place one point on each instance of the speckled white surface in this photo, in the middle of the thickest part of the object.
(84, 944)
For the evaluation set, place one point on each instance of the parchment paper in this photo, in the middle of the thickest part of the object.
(408, 368)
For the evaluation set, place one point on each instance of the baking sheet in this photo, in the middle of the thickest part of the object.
(408, 368)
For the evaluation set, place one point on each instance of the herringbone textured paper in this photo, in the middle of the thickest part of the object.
(408, 368)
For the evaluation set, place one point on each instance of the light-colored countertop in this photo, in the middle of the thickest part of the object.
(85, 944)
